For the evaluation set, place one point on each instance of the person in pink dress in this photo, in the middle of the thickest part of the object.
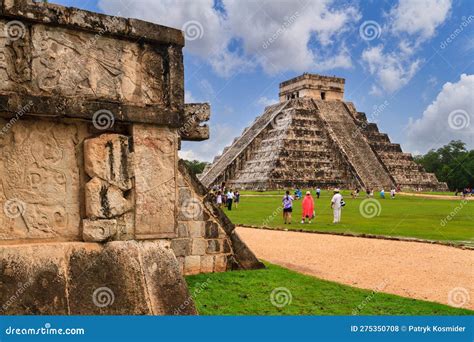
(308, 208)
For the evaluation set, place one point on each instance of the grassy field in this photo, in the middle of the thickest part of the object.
(432, 219)
(249, 293)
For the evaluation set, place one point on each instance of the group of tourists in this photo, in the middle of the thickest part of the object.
(226, 197)
(465, 192)
(308, 211)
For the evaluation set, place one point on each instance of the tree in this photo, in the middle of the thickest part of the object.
(196, 166)
(452, 164)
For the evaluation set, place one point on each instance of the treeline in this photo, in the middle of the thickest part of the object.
(195, 166)
(452, 163)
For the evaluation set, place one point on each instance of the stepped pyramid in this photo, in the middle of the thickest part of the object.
(312, 137)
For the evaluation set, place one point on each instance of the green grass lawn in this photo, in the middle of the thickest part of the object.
(405, 216)
(249, 293)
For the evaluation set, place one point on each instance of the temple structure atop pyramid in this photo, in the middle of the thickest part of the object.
(312, 137)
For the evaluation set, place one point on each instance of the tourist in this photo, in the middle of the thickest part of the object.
(318, 192)
(287, 207)
(357, 192)
(367, 191)
(298, 193)
(336, 205)
(237, 199)
(219, 199)
(308, 208)
(382, 194)
(230, 199)
(392, 193)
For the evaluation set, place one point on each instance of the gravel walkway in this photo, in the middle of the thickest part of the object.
(417, 270)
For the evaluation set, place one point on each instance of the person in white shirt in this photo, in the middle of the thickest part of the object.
(392, 194)
(230, 199)
(336, 205)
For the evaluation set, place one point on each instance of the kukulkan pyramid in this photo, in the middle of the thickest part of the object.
(312, 137)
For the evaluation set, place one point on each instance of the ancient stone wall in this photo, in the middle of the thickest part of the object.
(94, 199)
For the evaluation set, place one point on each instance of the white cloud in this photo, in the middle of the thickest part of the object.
(221, 135)
(265, 101)
(189, 98)
(419, 17)
(450, 116)
(273, 35)
(391, 69)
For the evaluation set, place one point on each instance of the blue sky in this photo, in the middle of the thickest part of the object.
(413, 58)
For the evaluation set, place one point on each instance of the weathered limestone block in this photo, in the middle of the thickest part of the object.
(207, 264)
(196, 229)
(119, 278)
(126, 227)
(98, 230)
(199, 247)
(181, 247)
(155, 162)
(192, 264)
(108, 158)
(212, 230)
(104, 200)
(40, 180)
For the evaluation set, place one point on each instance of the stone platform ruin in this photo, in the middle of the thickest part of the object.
(311, 138)
(98, 215)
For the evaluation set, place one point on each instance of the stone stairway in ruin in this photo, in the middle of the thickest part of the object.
(405, 171)
(222, 162)
(368, 168)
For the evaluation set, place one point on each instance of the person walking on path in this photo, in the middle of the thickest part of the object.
(230, 199)
(287, 207)
(382, 194)
(318, 192)
(219, 199)
(237, 199)
(336, 205)
(392, 193)
(308, 208)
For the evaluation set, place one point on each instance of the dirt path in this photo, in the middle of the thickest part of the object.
(409, 269)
